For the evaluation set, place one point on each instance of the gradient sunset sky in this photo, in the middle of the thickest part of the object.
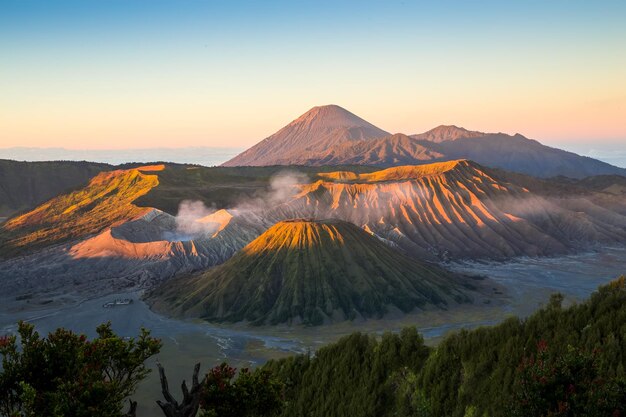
(126, 73)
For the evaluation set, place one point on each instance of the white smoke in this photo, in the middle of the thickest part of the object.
(189, 214)
(190, 220)
(284, 185)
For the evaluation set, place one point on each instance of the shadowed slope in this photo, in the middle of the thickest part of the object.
(310, 272)
(392, 150)
(444, 143)
(520, 154)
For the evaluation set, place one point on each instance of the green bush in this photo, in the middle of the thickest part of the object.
(65, 374)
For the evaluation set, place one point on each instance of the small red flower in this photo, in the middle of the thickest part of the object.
(4, 341)
(542, 346)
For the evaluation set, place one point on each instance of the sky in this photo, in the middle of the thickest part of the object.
(115, 74)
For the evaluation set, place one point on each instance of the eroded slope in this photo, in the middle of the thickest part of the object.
(304, 271)
(456, 209)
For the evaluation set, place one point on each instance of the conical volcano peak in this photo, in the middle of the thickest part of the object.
(300, 233)
(315, 131)
(331, 116)
(311, 272)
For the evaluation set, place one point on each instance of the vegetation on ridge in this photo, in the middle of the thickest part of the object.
(105, 201)
(24, 185)
(557, 362)
(67, 375)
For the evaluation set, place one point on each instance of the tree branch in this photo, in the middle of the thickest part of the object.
(191, 399)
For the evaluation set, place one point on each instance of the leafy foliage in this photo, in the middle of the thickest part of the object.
(349, 377)
(477, 369)
(65, 374)
(566, 385)
(250, 394)
(559, 362)
(473, 373)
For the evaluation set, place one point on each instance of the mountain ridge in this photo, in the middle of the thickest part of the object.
(333, 143)
(444, 133)
(123, 229)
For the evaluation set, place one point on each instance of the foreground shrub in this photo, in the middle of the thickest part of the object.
(65, 374)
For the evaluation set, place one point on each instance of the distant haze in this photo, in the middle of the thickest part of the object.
(206, 156)
(613, 154)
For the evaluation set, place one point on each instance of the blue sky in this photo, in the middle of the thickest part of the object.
(102, 74)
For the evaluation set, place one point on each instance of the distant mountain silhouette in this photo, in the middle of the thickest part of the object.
(331, 135)
(313, 132)
(447, 133)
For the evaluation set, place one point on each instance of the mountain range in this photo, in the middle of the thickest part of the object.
(360, 224)
(331, 135)
(123, 229)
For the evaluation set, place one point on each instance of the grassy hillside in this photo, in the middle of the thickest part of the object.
(310, 272)
(221, 187)
(24, 185)
(113, 196)
(105, 201)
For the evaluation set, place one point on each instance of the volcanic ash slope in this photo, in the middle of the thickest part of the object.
(310, 272)
(457, 209)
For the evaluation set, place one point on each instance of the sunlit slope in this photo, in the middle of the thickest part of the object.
(222, 187)
(24, 185)
(154, 237)
(107, 200)
(456, 209)
(113, 198)
(447, 210)
(310, 272)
